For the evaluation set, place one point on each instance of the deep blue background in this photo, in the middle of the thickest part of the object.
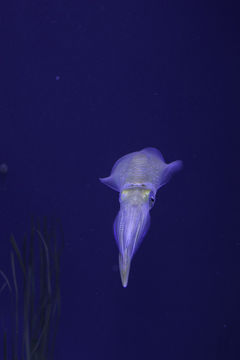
(85, 82)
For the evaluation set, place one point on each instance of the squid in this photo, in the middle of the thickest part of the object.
(137, 177)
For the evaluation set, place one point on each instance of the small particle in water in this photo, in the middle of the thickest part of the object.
(57, 77)
(3, 169)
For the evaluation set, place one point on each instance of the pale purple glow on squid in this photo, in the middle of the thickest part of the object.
(137, 176)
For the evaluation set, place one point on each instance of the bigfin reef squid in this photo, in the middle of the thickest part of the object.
(137, 177)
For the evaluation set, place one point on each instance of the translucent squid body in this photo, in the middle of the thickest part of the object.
(137, 176)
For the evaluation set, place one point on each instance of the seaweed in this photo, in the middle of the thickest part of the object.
(35, 268)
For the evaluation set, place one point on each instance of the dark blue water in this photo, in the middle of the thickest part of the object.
(83, 83)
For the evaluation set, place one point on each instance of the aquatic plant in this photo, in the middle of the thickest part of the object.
(35, 269)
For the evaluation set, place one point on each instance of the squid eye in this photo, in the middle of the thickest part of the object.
(151, 200)
(123, 195)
